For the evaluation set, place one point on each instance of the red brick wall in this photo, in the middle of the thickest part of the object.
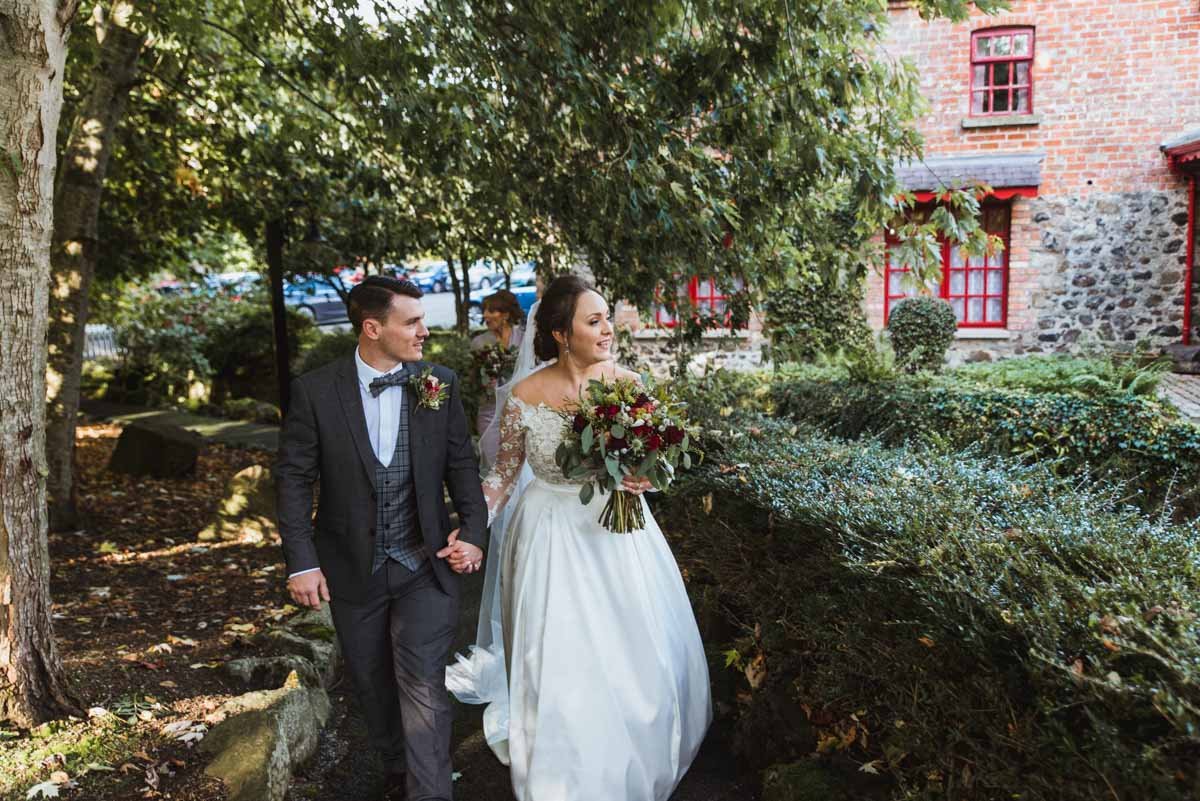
(1112, 80)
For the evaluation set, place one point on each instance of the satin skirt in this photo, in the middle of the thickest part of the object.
(606, 696)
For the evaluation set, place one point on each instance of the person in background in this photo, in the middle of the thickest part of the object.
(504, 320)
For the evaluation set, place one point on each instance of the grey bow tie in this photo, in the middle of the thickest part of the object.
(396, 378)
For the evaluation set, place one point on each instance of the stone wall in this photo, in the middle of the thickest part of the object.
(1111, 270)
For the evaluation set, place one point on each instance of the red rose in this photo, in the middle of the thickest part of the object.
(642, 400)
(653, 442)
(643, 431)
(580, 423)
(613, 411)
(615, 444)
(674, 435)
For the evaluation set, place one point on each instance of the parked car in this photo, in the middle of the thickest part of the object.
(316, 298)
(433, 278)
(234, 284)
(401, 271)
(485, 274)
(523, 284)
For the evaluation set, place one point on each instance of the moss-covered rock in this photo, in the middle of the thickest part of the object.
(262, 737)
(247, 510)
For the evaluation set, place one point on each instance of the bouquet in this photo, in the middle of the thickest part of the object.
(623, 428)
(495, 363)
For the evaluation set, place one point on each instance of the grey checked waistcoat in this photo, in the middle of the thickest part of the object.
(396, 531)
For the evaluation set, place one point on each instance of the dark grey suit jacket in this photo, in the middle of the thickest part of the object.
(325, 438)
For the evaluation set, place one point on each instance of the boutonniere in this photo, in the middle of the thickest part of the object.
(429, 389)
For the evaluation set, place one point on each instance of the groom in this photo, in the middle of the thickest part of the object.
(382, 446)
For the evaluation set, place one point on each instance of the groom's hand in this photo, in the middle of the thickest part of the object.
(463, 557)
(309, 589)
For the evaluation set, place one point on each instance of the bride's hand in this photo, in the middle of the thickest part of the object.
(636, 485)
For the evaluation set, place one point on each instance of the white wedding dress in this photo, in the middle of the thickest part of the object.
(607, 695)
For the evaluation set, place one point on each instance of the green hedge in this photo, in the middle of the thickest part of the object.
(1126, 438)
(961, 627)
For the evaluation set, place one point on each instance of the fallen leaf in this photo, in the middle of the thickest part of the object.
(43, 790)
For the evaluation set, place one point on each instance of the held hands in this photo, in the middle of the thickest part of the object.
(636, 485)
(463, 557)
(309, 589)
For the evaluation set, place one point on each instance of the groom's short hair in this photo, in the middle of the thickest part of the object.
(372, 298)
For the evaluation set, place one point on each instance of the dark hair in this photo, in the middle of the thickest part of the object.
(507, 303)
(556, 313)
(372, 299)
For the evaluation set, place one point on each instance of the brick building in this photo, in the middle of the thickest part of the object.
(1084, 116)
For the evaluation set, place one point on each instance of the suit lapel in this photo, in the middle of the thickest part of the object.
(415, 434)
(356, 419)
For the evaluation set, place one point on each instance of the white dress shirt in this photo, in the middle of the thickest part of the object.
(383, 417)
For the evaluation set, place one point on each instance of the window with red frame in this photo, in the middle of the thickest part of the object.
(1002, 72)
(976, 287)
(704, 295)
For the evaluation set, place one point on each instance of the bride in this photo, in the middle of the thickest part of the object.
(587, 655)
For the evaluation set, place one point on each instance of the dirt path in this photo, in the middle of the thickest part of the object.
(346, 770)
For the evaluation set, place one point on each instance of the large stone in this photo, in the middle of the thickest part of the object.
(324, 655)
(158, 451)
(247, 509)
(262, 736)
(271, 672)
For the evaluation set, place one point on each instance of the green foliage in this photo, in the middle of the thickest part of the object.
(970, 628)
(239, 345)
(921, 330)
(1126, 438)
(170, 344)
(1097, 376)
(162, 350)
(814, 319)
(326, 348)
(251, 410)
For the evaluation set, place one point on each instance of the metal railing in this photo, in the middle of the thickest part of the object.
(99, 343)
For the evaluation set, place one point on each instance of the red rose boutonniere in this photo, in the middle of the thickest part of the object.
(429, 389)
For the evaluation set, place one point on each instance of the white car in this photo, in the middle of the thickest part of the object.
(485, 274)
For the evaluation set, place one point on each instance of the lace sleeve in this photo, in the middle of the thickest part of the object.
(510, 456)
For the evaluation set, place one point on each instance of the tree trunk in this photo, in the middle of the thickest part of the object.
(283, 372)
(460, 293)
(463, 319)
(73, 254)
(33, 33)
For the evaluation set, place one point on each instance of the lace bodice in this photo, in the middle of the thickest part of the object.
(528, 432)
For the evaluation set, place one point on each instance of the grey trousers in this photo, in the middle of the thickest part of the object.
(395, 647)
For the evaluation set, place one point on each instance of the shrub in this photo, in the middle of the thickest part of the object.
(815, 318)
(972, 628)
(1125, 438)
(1090, 377)
(251, 410)
(169, 343)
(239, 343)
(326, 348)
(921, 330)
(161, 340)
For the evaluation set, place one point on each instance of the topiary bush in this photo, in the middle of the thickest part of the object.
(815, 318)
(921, 330)
(966, 627)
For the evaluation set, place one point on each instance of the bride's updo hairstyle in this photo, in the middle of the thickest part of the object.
(556, 313)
